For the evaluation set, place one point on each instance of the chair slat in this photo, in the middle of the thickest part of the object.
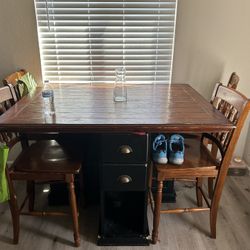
(231, 96)
(7, 100)
(12, 80)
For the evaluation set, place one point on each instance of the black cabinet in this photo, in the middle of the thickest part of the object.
(123, 206)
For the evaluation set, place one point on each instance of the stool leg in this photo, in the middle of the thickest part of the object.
(157, 209)
(72, 198)
(31, 194)
(198, 192)
(150, 180)
(215, 203)
(15, 220)
(14, 209)
(210, 187)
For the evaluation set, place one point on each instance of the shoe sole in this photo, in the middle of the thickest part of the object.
(176, 162)
(161, 161)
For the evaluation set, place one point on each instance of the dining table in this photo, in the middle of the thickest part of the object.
(125, 148)
(159, 108)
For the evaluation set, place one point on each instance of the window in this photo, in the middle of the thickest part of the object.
(84, 41)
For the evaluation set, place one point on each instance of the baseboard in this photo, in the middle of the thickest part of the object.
(238, 167)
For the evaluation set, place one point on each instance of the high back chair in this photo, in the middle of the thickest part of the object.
(18, 88)
(12, 80)
(201, 163)
(42, 161)
(233, 81)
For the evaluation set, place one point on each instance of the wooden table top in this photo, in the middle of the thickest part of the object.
(85, 108)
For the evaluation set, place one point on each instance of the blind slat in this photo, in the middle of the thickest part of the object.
(84, 41)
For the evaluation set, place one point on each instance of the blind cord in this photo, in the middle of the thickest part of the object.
(157, 42)
(90, 47)
(47, 12)
(123, 34)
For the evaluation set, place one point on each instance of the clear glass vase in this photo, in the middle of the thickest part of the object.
(120, 90)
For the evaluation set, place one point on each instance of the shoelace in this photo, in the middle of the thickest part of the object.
(178, 142)
(158, 143)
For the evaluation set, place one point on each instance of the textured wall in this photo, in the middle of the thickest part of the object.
(212, 41)
(18, 43)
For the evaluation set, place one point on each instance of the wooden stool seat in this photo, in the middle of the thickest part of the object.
(197, 163)
(47, 156)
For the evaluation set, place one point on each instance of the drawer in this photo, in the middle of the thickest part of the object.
(125, 148)
(123, 178)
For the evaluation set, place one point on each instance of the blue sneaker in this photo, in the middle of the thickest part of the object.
(176, 149)
(160, 149)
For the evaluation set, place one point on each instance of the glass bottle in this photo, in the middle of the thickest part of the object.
(48, 100)
(120, 90)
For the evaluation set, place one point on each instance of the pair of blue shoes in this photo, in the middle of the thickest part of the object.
(172, 149)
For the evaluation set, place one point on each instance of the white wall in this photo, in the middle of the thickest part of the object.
(212, 41)
(18, 40)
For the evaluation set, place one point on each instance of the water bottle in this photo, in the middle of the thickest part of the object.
(120, 90)
(48, 100)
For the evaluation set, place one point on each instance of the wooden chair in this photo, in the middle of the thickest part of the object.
(233, 81)
(200, 162)
(12, 80)
(42, 161)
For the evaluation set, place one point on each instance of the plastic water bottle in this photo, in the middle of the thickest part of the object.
(48, 100)
(120, 90)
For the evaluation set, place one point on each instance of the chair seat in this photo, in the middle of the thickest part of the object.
(197, 163)
(48, 156)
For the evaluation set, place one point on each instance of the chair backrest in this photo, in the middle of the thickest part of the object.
(7, 100)
(13, 80)
(233, 81)
(235, 108)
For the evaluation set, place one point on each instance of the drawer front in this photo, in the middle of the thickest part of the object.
(125, 148)
(123, 178)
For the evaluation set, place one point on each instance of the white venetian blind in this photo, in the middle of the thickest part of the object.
(84, 41)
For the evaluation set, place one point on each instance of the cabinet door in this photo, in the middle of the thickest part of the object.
(123, 177)
(125, 148)
(123, 218)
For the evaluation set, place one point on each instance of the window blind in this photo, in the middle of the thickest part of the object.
(85, 41)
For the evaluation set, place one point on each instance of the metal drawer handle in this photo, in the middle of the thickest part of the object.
(125, 149)
(124, 179)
